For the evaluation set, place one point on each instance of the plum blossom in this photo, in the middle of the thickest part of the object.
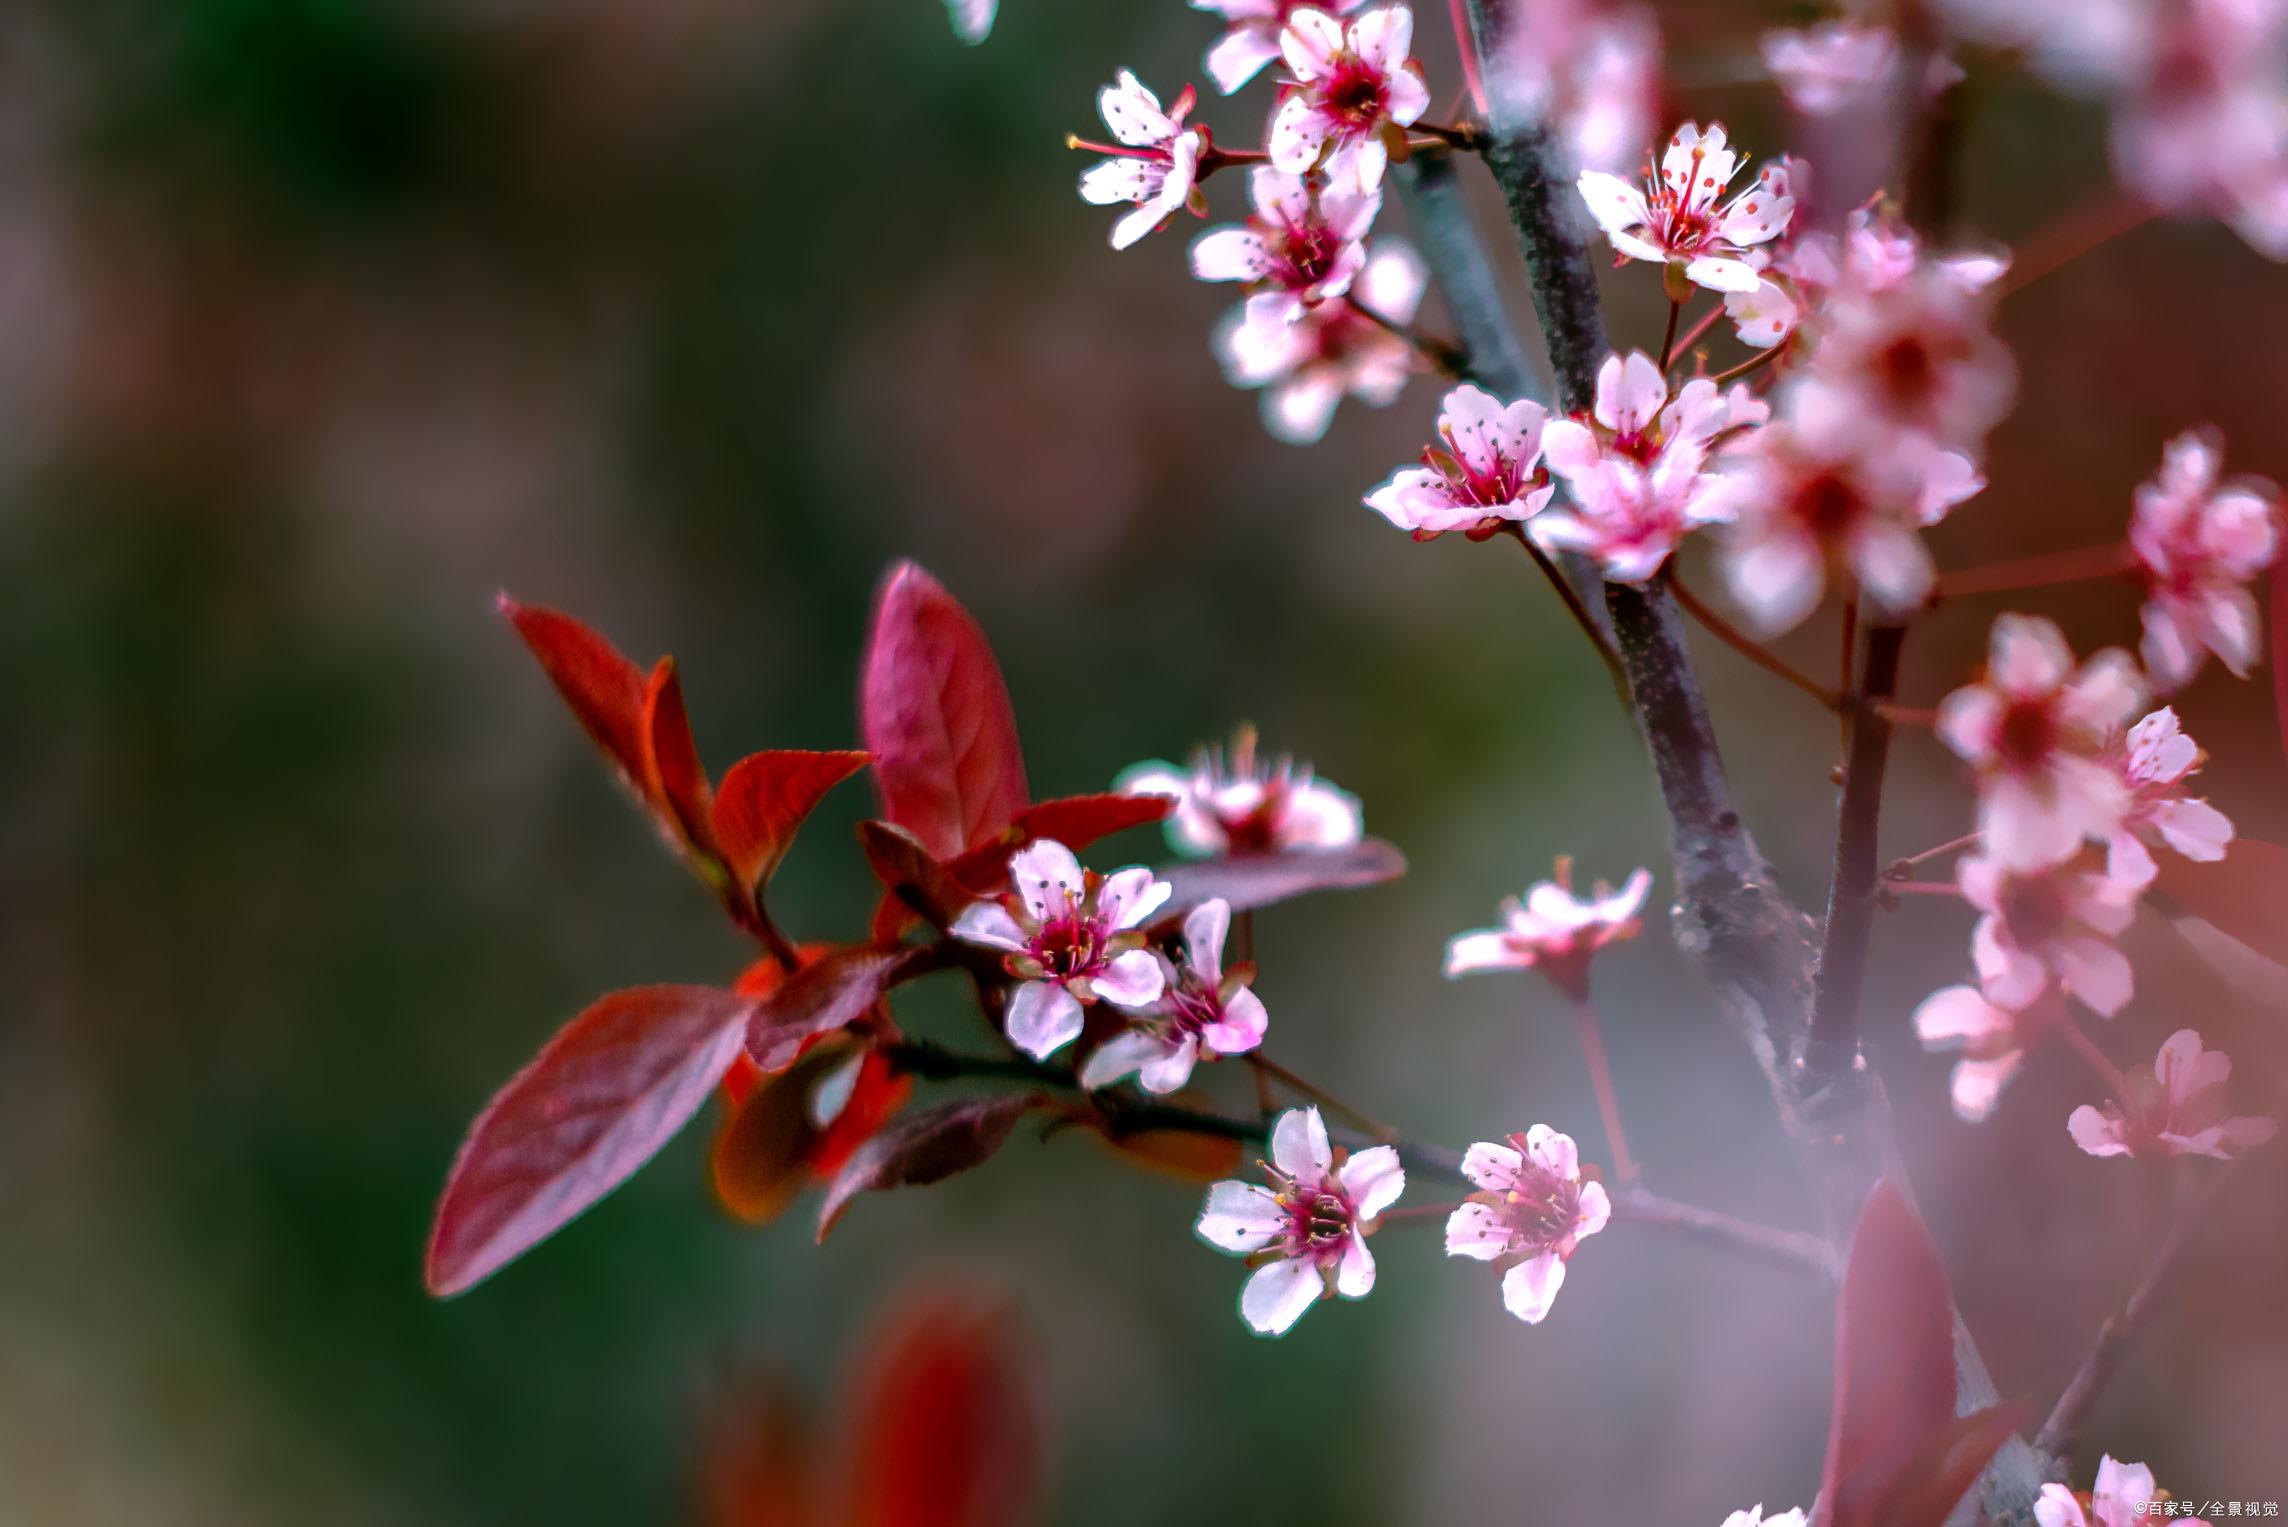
(2034, 728)
(1072, 936)
(1305, 367)
(1154, 161)
(1204, 1012)
(2201, 115)
(2174, 1107)
(1799, 271)
(1251, 35)
(2155, 759)
(1811, 497)
(1352, 83)
(1553, 931)
(1590, 69)
(1754, 1517)
(2057, 924)
(1488, 473)
(1301, 246)
(1305, 1234)
(1992, 1042)
(1529, 1215)
(2196, 543)
(1917, 355)
(1825, 68)
(1675, 218)
(1239, 804)
(2125, 1497)
(1635, 466)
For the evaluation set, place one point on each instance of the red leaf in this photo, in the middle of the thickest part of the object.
(2279, 612)
(922, 1147)
(916, 882)
(2244, 894)
(608, 1091)
(1180, 1153)
(1257, 880)
(1076, 821)
(936, 716)
(833, 992)
(672, 776)
(765, 798)
(1894, 1360)
(1924, 1491)
(943, 1428)
(604, 689)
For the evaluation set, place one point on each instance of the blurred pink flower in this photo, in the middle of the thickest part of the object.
(1553, 931)
(1251, 35)
(1154, 161)
(2197, 542)
(1992, 1041)
(2035, 729)
(1305, 1235)
(1530, 1213)
(2201, 119)
(1301, 246)
(1754, 1517)
(1636, 466)
(1675, 218)
(1242, 805)
(1351, 82)
(1203, 1013)
(1916, 355)
(1072, 936)
(2155, 758)
(1489, 472)
(2053, 923)
(1591, 69)
(1305, 367)
(1824, 68)
(2175, 1107)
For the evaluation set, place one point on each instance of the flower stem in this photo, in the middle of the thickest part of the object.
(1468, 47)
(1359, 1118)
(1696, 333)
(2063, 242)
(1668, 335)
(1634, 1205)
(2036, 572)
(1579, 611)
(2099, 1061)
(1900, 868)
(1445, 357)
(1747, 646)
(1601, 1080)
(1756, 362)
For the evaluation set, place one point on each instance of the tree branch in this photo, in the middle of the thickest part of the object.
(1832, 1044)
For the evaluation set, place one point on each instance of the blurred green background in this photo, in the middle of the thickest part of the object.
(321, 320)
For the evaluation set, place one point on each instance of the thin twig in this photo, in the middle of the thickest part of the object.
(1608, 1097)
(2062, 243)
(1634, 1205)
(1900, 868)
(1747, 646)
(2050, 568)
(1579, 611)
(1831, 1047)
(1446, 357)
(1359, 1118)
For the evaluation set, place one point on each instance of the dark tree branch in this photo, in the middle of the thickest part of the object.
(1832, 1045)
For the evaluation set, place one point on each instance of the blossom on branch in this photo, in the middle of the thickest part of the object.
(1305, 367)
(1487, 474)
(1305, 1234)
(2052, 924)
(1251, 35)
(1915, 355)
(2125, 1497)
(2174, 1107)
(2196, 542)
(1636, 466)
(1072, 936)
(1992, 1041)
(1204, 1012)
(2035, 728)
(1154, 161)
(1354, 86)
(2155, 758)
(1240, 804)
(1531, 1212)
(1676, 220)
(1590, 69)
(1301, 246)
(1553, 931)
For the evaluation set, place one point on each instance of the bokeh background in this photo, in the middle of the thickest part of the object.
(321, 320)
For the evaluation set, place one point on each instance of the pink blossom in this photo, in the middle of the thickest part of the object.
(2175, 1107)
(1675, 218)
(1244, 805)
(2197, 543)
(1916, 356)
(1251, 35)
(2125, 1497)
(1754, 1517)
(1529, 1215)
(2052, 924)
(2035, 729)
(1590, 69)
(1825, 68)
(1802, 269)
(2201, 118)
(1992, 1041)
(1072, 937)
(1305, 1235)
(1154, 161)
(1204, 1012)
(1635, 467)
(1488, 474)
(2155, 759)
(1352, 84)
(1301, 247)
(972, 19)
(1553, 931)
(1813, 497)
(1305, 367)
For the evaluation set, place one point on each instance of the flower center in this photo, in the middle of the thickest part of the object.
(1322, 1220)
(1828, 505)
(2028, 734)
(1354, 95)
(1309, 249)
(1543, 1209)
(2034, 909)
(1069, 945)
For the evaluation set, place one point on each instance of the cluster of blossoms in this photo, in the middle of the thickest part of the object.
(2124, 1496)
(1236, 803)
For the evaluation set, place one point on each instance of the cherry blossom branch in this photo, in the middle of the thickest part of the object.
(1832, 1044)
(2058, 1433)
(1747, 646)
(2076, 566)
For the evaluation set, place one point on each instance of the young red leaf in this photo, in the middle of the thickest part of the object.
(2244, 894)
(922, 1147)
(763, 801)
(1257, 880)
(936, 716)
(600, 1099)
(1076, 821)
(943, 1431)
(604, 689)
(832, 992)
(2279, 613)
(760, 1158)
(1180, 1153)
(1924, 1491)
(1894, 1360)
(916, 882)
(674, 781)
